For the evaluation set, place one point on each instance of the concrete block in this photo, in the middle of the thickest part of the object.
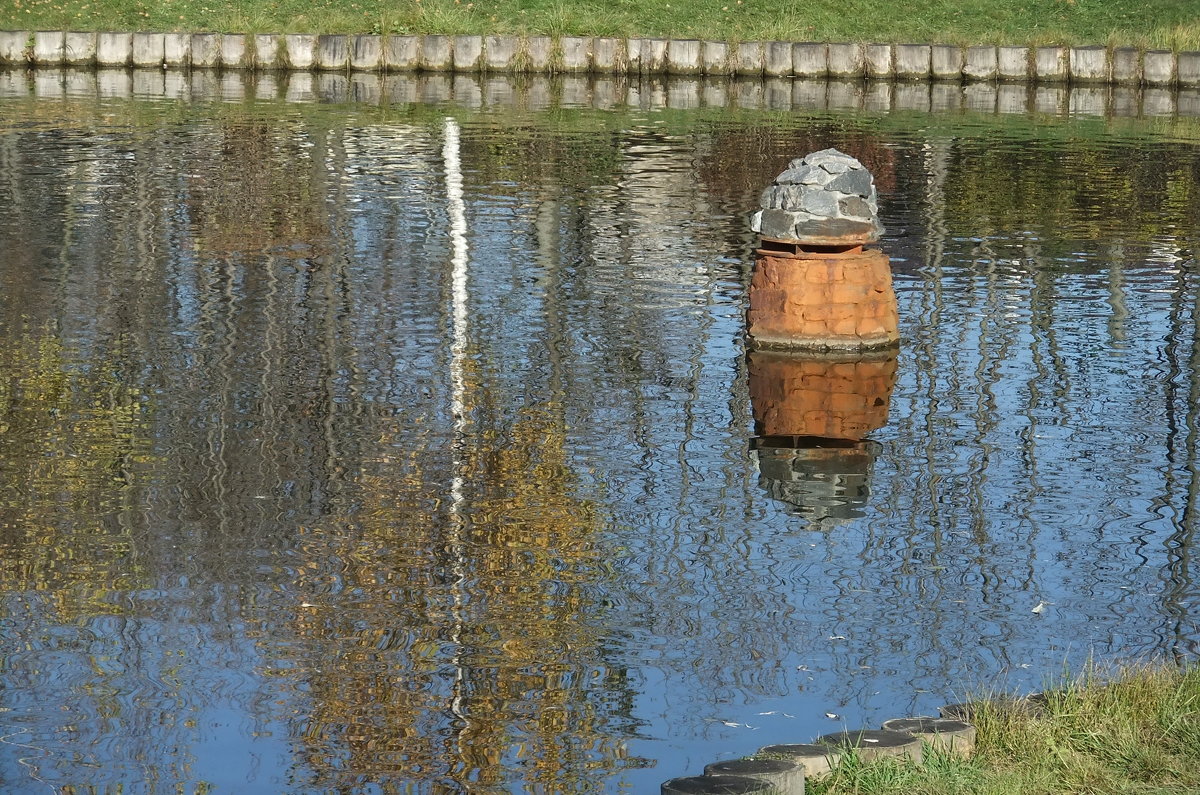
(608, 54)
(714, 58)
(1126, 66)
(810, 59)
(49, 47)
(437, 53)
(1088, 101)
(1012, 98)
(1050, 65)
(79, 49)
(912, 96)
(332, 54)
(468, 53)
(500, 52)
(234, 52)
(12, 46)
(1188, 69)
(945, 97)
(401, 53)
(539, 53)
(879, 60)
(1124, 102)
(878, 96)
(844, 95)
(1051, 100)
(48, 84)
(1189, 102)
(177, 50)
(749, 58)
(913, 61)
(1013, 63)
(206, 50)
(1158, 67)
(1158, 102)
(683, 57)
(980, 97)
(576, 53)
(777, 60)
(467, 90)
(149, 49)
(269, 51)
(1089, 64)
(654, 56)
(981, 64)
(846, 59)
(366, 87)
(149, 81)
(366, 53)
(809, 94)
(946, 62)
(114, 49)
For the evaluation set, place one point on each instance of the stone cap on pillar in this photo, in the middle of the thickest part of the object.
(824, 199)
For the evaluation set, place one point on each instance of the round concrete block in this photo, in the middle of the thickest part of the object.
(954, 737)
(872, 744)
(785, 777)
(818, 760)
(715, 785)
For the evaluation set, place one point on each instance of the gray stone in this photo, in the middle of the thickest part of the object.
(683, 57)
(836, 228)
(981, 64)
(855, 207)
(846, 59)
(12, 46)
(205, 50)
(946, 62)
(777, 59)
(855, 182)
(468, 53)
(810, 59)
(1126, 66)
(777, 224)
(114, 49)
(749, 58)
(803, 174)
(366, 54)
(332, 54)
(437, 53)
(234, 52)
(149, 49)
(49, 47)
(79, 49)
(500, 52)
(1050, 64)
(576, 53)
(879, 60)
(832, 160)
(608, 54)
(913, 61)
(177, 50)
(1158, 67)
(402, 53)
(1189, 69)
(1013, 62)
(1089, 64)
(819, 202)
(714, 58)
(539, 53)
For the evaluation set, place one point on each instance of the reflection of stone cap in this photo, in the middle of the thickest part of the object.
(826, 486)
(825, 199)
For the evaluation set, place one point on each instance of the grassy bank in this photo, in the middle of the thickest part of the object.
(1136, 733)
(1149, 23)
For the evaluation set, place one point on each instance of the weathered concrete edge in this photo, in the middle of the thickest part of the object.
(511, 53)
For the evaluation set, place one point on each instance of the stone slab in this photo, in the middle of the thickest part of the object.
(714, 58)
(114, 49)
(177, 50)
(1126, 66)
(1158, 67)
(235, 54)
(981, 63)
(1188, 69)
(880, 60)
(777, 59)
(401, 53)
(913, 61)
(810, 59)
(683, 57)
(846, 59)
(609, 54)
(366, 54)
(1012, 63)
(1050, 65)
(149, 49)
(437, 53)
(468, 53)
(1089, 64)
(576, 53)
(653, 59)
(500, 52)
(206, 50)
(49, 47)
(539, 53)
(748, 60)
(332, 53)
(12, 46)
(946, 62)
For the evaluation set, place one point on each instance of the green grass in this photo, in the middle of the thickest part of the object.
(1137, 732)
(1171, 24)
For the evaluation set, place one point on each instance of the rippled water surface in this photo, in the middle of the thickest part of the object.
(410, 447)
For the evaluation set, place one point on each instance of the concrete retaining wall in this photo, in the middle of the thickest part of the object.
(1093, 65)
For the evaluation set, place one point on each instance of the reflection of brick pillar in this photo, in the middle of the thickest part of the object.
(820, 397)
(822, 301)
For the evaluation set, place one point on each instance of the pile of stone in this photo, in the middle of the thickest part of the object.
(825, 199)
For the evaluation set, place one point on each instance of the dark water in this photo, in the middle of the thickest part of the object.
(357, 448)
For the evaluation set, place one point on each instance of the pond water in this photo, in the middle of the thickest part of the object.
(409, 446)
